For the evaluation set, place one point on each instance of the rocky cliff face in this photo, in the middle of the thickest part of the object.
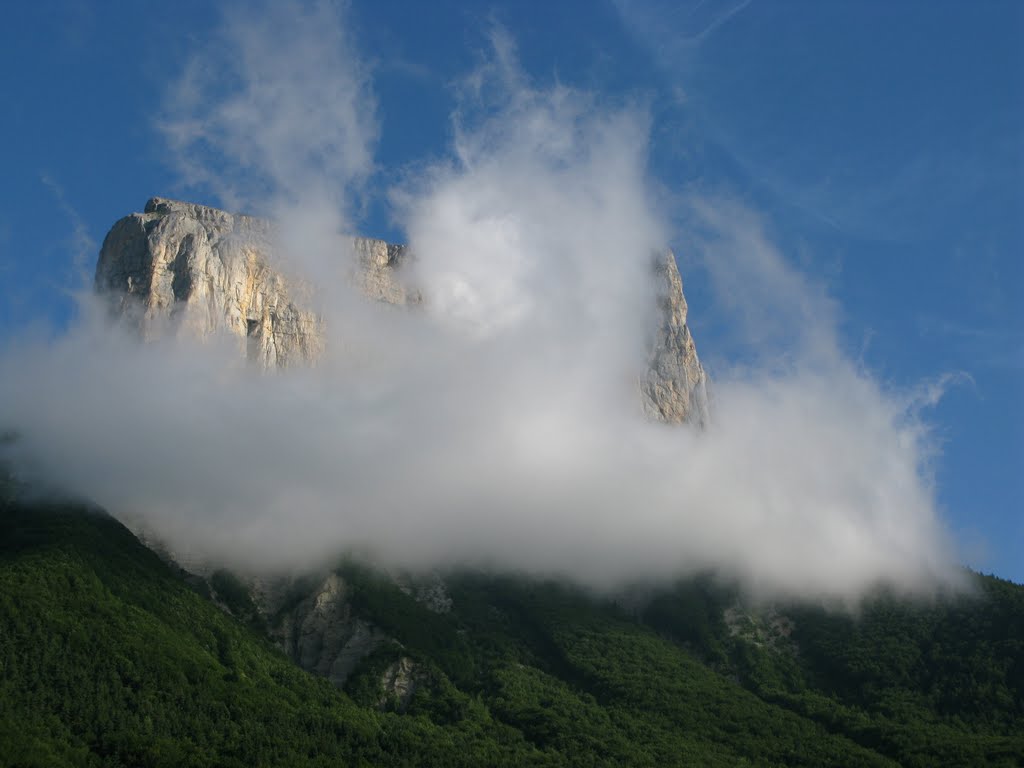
(180, 267)
(322, 635)
(675, 387)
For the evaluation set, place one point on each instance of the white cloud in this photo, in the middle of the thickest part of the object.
(80, 243)
(501, 425)
(275, 114)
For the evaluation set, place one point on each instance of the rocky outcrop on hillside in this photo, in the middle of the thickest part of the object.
(185, 268)
(399, 683)
(323, 636)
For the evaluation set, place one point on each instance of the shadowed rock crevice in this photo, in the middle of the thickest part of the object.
(181, 280)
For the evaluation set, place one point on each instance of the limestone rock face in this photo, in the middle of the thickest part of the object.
(185, 268)
(322, 635)
(398, 683)
(429, 590)
(376, 273)
(179, 267)
(675, 387)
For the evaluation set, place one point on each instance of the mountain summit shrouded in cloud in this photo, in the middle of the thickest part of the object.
(501, 424)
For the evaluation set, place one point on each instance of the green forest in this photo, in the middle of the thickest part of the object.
(109, 657)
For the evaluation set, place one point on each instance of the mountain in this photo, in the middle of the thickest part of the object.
(181, 267)
(113, 654)
(111, 657)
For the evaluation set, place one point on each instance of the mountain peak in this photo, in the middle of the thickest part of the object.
(182, 266)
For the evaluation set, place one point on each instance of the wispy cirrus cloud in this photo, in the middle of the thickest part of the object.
(677, 29)
(980, 346)
(80, 243)
(275, 112)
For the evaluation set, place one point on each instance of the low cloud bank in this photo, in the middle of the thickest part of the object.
(501, 424)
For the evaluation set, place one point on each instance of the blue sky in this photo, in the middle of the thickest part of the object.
(880, 146)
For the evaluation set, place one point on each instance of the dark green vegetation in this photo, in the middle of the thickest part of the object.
(108, 657)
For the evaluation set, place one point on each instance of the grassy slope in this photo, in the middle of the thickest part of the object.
(107, 658)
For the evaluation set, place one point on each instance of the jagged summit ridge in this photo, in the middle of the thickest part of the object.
(190, 268)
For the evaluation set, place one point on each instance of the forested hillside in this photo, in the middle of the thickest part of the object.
(108, 657)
